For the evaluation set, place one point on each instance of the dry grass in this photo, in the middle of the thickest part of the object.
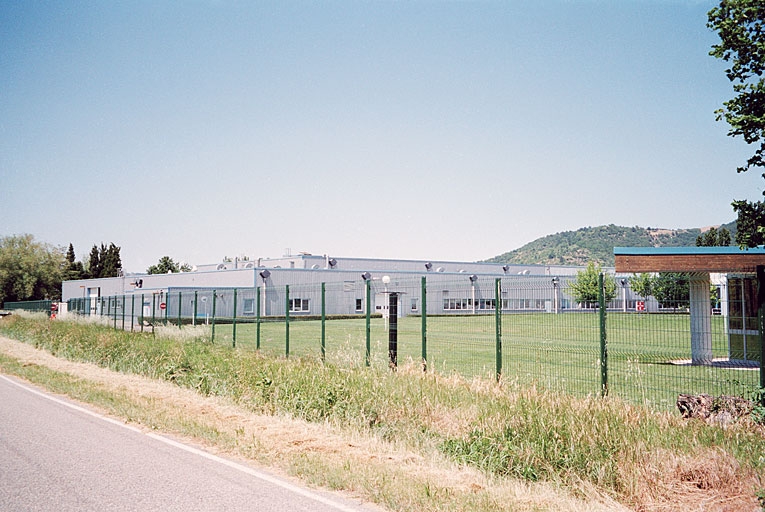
(709, 480)
(362, 465)
(395, 438)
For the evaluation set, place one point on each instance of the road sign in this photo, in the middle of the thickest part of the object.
(640, 305)
(162, 305)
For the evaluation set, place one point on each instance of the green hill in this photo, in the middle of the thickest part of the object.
(597, 244)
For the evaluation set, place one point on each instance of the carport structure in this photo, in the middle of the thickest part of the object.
(698, 263)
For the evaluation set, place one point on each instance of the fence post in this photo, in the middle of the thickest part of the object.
(153, 310)
(115, 311)
(180, 307)
(142, 303)
(196, 297)
(132, 312)
(287, 320)
(498, 324)
(424, 328)
(368, 351)
(124, 307)
(603, 338)
(761, 323)
(323, 321)
(233, 327)
(214, 297)
(257, 318)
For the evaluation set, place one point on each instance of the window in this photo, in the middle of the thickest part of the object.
(299, 306)
(458, 304)
(743, 335)
(359, 305)
(742, 294)
(486, 304)
(414, 304)
(249, 306)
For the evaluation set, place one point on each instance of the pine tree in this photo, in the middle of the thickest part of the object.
(94, 263)
(111, 263)
(73, 269)
(70, 255)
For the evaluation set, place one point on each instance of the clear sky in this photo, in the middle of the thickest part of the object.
(453, 130)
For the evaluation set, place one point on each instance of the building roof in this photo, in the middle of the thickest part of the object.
(688, 259)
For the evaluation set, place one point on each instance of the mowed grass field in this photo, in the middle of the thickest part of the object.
(648, 354)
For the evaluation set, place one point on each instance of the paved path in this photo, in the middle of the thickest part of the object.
(56, 456)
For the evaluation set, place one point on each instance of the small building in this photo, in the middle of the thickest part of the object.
(738, 286)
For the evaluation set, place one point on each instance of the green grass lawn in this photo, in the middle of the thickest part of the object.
(559, 352)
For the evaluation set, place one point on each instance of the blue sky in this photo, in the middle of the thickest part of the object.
(425, 129)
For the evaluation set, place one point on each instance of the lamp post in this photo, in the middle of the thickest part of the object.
(555, 283)
(473, 278)
(623, 282)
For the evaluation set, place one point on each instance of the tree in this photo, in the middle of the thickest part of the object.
(74, 269)
(672, 289)
(714, 238)
(111, 263)
(642, 284)
(751, 223)
(739, 23)
(163, 266)
(70, 254)
(104, 261)
(585, 288)
(94, 263)
(29, 270)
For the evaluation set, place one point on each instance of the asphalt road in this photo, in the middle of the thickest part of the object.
(56, 456)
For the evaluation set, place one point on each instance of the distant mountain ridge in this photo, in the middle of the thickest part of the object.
(597, 244)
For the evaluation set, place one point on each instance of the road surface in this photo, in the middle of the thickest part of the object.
(57, 456)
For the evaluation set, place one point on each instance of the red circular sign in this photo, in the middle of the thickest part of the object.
(162, 305)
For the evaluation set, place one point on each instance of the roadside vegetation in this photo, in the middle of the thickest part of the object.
(604, 452)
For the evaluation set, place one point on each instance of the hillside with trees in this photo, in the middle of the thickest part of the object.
(596, 244)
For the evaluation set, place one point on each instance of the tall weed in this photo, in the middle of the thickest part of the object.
(630, 453)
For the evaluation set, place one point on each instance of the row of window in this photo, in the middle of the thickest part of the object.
(490, 304)
(298, 305)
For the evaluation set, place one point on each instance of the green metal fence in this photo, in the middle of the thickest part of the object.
(30, 305)
(515, 329)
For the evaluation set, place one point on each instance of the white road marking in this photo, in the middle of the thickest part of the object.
(239, 467)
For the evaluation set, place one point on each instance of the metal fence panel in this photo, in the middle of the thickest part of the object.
(526, 328)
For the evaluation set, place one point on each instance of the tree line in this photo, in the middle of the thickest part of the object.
(33, 270)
